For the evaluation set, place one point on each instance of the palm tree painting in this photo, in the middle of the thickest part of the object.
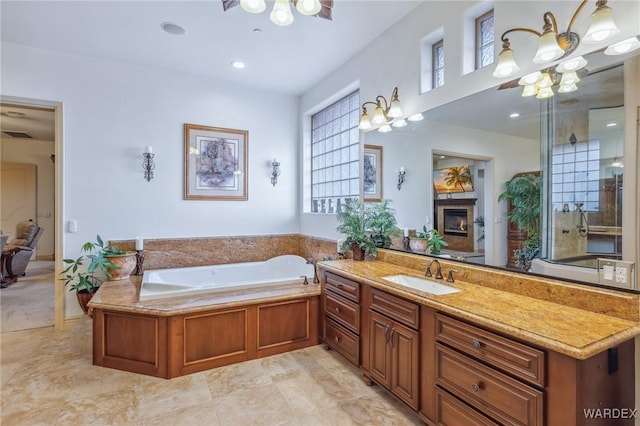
(452, 179)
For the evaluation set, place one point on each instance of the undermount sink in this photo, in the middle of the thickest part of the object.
(422, 284)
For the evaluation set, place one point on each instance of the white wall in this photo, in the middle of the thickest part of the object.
(111, 111)
(37, 152)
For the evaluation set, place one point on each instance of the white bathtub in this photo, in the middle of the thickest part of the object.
(175, 282)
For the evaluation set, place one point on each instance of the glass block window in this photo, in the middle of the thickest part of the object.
(438, 63)
(575, 176)
(335, 155)
(484, 40)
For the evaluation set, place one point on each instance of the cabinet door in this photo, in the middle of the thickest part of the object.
(379, 349)
(404, 343)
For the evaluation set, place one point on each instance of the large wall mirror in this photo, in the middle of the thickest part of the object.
(573, 141)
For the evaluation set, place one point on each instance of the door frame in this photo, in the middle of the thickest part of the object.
(59, 295)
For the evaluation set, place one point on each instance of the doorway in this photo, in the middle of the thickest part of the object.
(29, 143)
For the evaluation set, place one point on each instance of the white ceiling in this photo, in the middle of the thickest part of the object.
(282, 59)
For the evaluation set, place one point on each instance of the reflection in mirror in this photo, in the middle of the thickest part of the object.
(574, 140)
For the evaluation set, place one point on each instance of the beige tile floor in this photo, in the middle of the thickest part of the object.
(48, 379)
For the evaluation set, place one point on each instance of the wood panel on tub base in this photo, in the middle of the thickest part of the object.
(183, 344)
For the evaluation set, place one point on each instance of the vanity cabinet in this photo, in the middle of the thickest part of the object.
(341, 316)
(394, 345)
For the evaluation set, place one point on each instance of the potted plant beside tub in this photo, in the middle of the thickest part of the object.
(381, 223)
(85, 274)
(352, 223)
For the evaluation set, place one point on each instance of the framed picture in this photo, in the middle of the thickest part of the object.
(215, 163)
(452, 179)
(372, 173)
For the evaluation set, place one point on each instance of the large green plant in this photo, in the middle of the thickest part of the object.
(352, 223)
(524, 194)
(79, 279)
(380, 222)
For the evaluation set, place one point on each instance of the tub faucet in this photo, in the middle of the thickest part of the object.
(311, 261)
(438, 269)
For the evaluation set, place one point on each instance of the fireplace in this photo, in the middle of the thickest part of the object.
(456, 222)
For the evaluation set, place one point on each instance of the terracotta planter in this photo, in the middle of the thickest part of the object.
(358, 252)
(418, 245)
(83, 299)
(126, 264)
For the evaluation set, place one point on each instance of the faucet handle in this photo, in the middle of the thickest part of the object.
(305, 282)
(450, 275)
(428, 272)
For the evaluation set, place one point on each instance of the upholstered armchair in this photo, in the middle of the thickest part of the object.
(17, 253)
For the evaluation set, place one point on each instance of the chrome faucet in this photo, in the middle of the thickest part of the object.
(311, 261)
(438, 269)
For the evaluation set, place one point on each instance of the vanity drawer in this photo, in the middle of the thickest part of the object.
(395, 308)
(342, 311)
(497, 395)
(342, 286)
(343, 341)
(450, 411)
(512, 357)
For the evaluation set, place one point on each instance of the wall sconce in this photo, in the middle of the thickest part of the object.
(275, 171)
(551, 45)
(382, 117)
(401, 174)
(147, 164)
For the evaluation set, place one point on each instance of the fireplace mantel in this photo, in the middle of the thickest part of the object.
(455, 201)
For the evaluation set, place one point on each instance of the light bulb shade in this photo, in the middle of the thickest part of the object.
(281, 13)
(507, 65)
(544, 92)
(530, 79)
(545, 81)
(569, 78)
(548, 48)
(365, 122)
(253, 6)
(399, 123)
(566, 88)
(395, 110)
(602, 26)
(573, 64)
(529, 90)
(416, 117)
(622, 47)
(378, 116)
(308, 7)
(385, 129)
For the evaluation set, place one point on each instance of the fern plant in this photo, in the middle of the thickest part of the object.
(380, 222)
(352, 223)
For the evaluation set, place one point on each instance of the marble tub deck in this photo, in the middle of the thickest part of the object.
(48, 379)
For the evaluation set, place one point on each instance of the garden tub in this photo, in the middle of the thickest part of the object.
(161, 283)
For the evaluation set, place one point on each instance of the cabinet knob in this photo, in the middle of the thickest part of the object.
(475, 387)
(337, 309)
(476, 344)
(336, 339)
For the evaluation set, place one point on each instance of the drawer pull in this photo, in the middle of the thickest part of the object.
(391, 337)
(336, 339)
(475, 387)
(337, 309)
(339, 285)
(476, 344)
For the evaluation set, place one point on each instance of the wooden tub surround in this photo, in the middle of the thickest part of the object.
(176, 336)
(491, 354)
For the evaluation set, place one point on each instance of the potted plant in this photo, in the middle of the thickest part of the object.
(109, 262)
(523, 194)
(435, 241)
(352, 223)
(381, 223)
(427, 241)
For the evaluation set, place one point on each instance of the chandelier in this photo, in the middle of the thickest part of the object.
(281, 12)
(391, 113)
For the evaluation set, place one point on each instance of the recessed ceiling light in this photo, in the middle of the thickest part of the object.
(172, 28)
(238, 65)
(514, 115)
(257, 30)
(443, 156)
(611, 124)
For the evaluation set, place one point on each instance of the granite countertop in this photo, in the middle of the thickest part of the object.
(575, 332)
(122, 296)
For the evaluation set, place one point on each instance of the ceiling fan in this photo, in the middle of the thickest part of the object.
(325, 11)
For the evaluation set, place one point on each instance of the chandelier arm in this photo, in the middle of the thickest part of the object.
(529, 30)
(369, 102)
(386, 104)
(550, 22)
(575, 15)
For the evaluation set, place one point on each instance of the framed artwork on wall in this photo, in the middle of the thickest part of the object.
(372, 173)
(215, 163)
(452, 179)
